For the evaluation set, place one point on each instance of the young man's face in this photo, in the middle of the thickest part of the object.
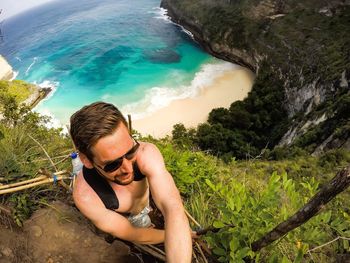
(109, 155)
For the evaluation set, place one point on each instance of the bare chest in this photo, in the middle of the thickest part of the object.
(133, 197)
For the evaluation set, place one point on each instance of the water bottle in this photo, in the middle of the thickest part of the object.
(76, 163)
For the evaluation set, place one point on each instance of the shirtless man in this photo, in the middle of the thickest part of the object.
(116, 162)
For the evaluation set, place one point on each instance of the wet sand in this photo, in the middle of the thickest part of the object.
(231, 86)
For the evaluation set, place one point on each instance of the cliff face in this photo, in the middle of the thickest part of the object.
(6, 72)
(306, 47)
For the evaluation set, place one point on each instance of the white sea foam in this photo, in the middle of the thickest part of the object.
(160, 97)
(31, 65)
(161, 13)
(19, 59)
(54, 122)
(187, 31)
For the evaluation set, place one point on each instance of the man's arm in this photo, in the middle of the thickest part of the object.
(114, 223)
(178, 242)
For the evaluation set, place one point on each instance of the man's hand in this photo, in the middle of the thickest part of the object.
(194, 235)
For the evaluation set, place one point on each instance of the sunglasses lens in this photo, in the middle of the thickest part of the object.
(129, 155)
(113, 166)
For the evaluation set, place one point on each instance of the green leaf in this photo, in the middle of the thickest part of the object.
(238, 203)
(326, 216)
(219, 251)
(285, 260)
(210, 184)
(218, 224)
(299, 256)
(242, 253)
(234, 244)
(273, 259)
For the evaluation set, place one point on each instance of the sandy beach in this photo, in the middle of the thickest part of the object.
(229, 87)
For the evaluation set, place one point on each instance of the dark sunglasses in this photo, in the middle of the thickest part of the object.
(114, 165)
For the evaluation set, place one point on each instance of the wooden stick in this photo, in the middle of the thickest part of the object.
(211, 229)
(201, 252)
(23, 182)
(338, 184)
(150, 251)
(329, 242)
(194, 257)
(192, 219)
(18, 188)
(68, 129)
(52, 163)
(5, 210)
(63, 159)
(48, 156)
(129, 123)
(157, 249)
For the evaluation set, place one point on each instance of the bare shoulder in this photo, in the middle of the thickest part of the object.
(85, 198)
(150, 158)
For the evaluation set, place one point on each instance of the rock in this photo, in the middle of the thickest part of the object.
(6, 72)
(36, 231)
(7, 252)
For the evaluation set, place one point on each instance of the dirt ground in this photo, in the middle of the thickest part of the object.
(59, 234)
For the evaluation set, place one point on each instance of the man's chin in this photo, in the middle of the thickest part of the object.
(124, 181)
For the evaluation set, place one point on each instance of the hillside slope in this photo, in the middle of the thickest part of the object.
(300, 52)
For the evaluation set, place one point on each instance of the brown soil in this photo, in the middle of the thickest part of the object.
(59, 234)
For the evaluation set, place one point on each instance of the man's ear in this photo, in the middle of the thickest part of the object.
(85, 160)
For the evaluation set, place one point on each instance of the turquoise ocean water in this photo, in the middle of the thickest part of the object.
(119, 51)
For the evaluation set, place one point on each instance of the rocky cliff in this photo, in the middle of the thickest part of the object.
(6, 72)
(300, 47)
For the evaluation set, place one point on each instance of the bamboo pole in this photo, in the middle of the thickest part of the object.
(48, 174)
(23, 182)
(44, 181)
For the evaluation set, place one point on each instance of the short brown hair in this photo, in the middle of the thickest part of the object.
(93, 122)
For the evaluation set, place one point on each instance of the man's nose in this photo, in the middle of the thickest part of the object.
(126, 166)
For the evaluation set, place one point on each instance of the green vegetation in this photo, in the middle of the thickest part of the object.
(245, 199)
(18, 89)
(21, 157)
(256, 195)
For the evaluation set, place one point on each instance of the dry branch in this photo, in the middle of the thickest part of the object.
(338, 184)
(5, 210)
(48, 156)
(151, 251)
(192, 219)
(201, 252)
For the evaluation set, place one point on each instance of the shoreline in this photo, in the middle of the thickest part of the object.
(231, 86)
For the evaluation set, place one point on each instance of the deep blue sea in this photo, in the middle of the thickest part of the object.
(120, 51)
